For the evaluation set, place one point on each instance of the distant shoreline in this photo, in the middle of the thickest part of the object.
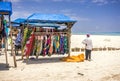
(98, 33)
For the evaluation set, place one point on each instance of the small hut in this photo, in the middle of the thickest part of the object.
(52, 24)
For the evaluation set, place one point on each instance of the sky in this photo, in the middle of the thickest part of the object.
(91, 15)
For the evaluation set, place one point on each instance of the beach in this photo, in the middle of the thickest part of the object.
(105, 64)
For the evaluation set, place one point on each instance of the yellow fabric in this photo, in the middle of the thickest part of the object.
(57, 44)
(78, 58)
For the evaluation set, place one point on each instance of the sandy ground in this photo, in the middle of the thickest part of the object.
(105, 66)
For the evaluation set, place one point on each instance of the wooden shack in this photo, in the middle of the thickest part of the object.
(6, 10)
(51, 24)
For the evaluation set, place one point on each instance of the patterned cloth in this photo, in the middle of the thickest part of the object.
(18, 39)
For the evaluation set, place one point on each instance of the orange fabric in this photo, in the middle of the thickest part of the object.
(78, 58)
(51, 50)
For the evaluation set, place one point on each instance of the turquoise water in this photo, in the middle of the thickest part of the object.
(98, 33)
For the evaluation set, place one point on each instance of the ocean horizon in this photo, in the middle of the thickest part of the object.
(97, 33)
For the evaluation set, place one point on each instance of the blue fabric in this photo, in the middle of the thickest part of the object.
(45, 24)
(36, 17)
(6, 7)
(16, 23)
(18, 39)
(19, 20)
(6, 28)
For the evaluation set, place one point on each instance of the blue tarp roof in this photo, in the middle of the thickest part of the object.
(44, 24)
(6, 8)
(19, 20)
(57, 18)
(45, 20)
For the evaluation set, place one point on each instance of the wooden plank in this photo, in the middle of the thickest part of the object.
(40, 33)
(69, 25)
(4, 13)
(7, 64)
(4, 42)
(14, 56)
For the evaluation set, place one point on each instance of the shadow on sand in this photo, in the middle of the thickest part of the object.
(42, 60)
(4, 66)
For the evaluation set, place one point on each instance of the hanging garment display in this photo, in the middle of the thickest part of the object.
(62, 44)
(29, 45)
(26, 35)
(51, 46)
(46, 44)
(6, 28)
(65, 44)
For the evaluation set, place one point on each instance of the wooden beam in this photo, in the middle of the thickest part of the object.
(4, 42)
(4, 13)
(7, 64)
(22, 47)
(41, 33)
(14, 56)
(69, 26)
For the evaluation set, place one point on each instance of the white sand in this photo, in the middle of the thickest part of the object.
(104, 67)
(98, 41)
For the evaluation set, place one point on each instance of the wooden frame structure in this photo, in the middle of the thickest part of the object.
(58, 19)
(6, 9)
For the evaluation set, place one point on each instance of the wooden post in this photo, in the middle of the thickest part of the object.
(6, 54)
(14, 56)
(22, 47)
(69, 38)
(4, 41)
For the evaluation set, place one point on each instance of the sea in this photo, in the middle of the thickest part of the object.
(98, 33)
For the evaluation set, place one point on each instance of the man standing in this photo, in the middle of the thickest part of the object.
(88, 47)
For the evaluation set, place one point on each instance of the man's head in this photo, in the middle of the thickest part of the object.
(88, 35)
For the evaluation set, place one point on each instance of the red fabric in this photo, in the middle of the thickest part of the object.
(30, 45)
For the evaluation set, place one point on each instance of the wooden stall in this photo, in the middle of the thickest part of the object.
(48, 24)
(6, 10)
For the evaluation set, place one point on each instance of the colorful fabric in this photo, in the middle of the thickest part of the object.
(78, 58)
(51, 46)
(6, 28)
(65, 44)
(47, 45)
(18, 39)
(61, 45)
(30, 45)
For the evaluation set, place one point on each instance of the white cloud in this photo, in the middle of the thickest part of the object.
(57, 0)
(66, 11)
(100, 2)
(17, 14)
(37, 0)
(103, 2)
(62, 0)
(81, 19)
(71, 14)
(14, 1)
(115, 1)
(81, 1)
(77, 17)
